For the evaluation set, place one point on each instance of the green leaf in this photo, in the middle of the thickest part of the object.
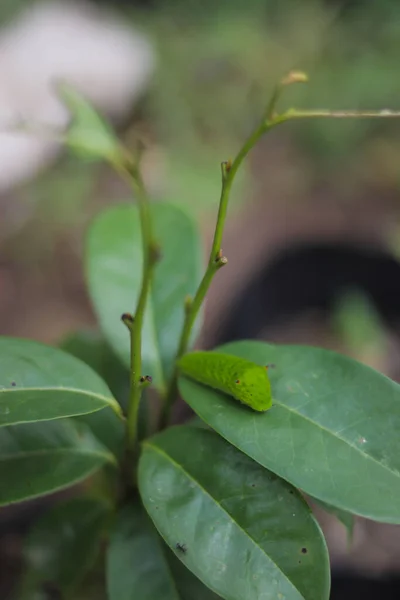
(40, 383)
(189, 587)
(197, 422)
(88, 134)
(241, 530)
(107, 428)
(41, 458)
(136, 564)
(114, 267)
(64, 544)
(333, 430)
(91, 347)
(157, 573)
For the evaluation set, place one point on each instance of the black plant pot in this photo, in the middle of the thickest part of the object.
(313, 277)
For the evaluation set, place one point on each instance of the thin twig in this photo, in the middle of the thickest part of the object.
(135, 324)
(216, 259)
(229, 170)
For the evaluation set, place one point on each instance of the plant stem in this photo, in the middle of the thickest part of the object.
(229, 170)
(135, 324)
(216, 260)
(293, 113)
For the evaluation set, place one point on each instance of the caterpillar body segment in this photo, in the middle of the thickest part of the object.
(244, 380)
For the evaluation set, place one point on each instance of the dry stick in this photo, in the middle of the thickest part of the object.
(229, 170)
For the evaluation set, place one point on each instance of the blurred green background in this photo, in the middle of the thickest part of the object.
(216, 64)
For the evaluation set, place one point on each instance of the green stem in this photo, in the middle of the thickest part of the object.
(216, 260)
(229, 171)
(293, 113)
(135, 326)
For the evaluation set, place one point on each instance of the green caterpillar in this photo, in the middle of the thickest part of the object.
(246, 381)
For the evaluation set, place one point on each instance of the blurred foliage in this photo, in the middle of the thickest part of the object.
(219, 61)
(10, 8)
(217, 64)
(357, 323)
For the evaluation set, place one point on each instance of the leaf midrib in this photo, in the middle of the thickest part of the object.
(64, 450)
(62, 486)
(109, 401)
(180, 467)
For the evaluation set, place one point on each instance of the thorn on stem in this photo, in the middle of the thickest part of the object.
(145, 380)
(226, 166)
(127, 320)
(220, 262)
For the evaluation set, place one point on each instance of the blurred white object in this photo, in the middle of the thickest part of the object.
(107, 62)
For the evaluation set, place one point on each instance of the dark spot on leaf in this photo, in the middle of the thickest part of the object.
(304, 550)
(253, 485)
(291, 492)
(299, 562)
(13, 383)
(237, 381)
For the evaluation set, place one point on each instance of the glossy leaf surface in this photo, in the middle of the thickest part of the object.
(91, 348)
(333, 430)
(189, 586)
(136, 563)
(244, 532)
(114, 267)
(41, 458)
(41, 383)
